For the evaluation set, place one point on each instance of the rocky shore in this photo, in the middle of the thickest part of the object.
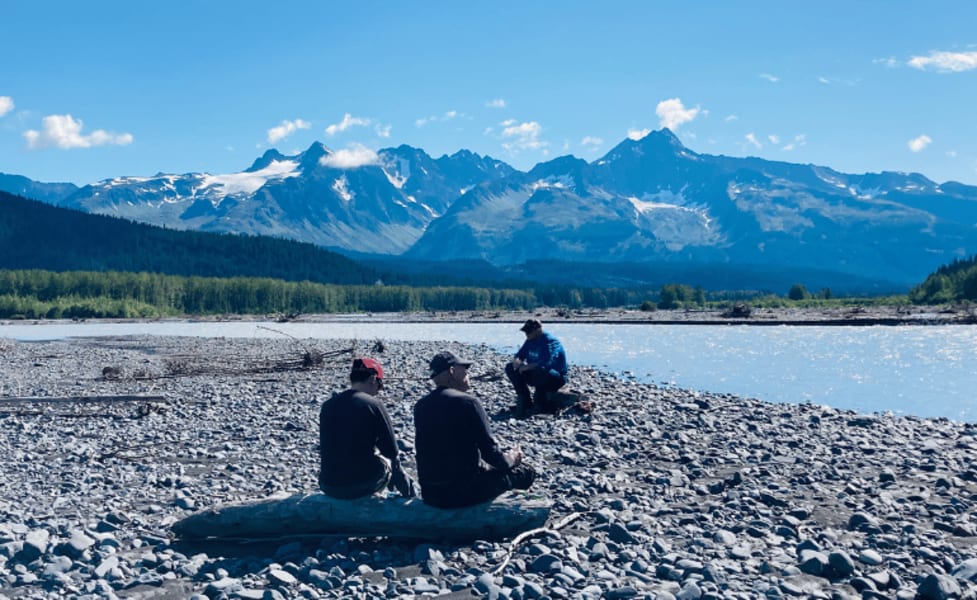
(962, 314)
(657, 492)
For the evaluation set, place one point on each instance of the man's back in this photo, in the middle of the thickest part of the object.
(450, 435)
(351, 425)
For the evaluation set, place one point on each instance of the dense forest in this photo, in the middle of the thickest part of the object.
(954, 282)
(76, 294)
(34, 235)
(58, 263)
(65, 263)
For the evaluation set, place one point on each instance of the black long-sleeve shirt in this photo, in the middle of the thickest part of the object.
(351, 425)
(451, 434)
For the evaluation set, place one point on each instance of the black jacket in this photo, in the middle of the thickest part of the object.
(351, 425)
(451, 434)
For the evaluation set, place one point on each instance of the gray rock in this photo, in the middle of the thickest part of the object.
(938, 587)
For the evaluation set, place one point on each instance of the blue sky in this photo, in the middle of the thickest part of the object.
(99, 89)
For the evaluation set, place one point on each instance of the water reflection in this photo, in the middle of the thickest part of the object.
(919, 370)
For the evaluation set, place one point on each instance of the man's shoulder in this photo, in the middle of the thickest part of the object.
(444, 394)
(351, 396)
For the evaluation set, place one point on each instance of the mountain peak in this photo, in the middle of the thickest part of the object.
(310, 158)
(264, 160)
(661, 140)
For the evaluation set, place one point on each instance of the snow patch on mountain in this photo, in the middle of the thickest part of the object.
(395, 180)
(864, 194)
(341, 187)
(250, 182)
(563, 182)
(662, 199)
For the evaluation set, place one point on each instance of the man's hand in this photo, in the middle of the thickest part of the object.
(402, 482)
(514, 457)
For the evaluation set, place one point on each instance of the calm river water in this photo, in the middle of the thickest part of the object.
(928, 371)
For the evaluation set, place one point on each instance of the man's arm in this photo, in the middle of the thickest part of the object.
(489, 450)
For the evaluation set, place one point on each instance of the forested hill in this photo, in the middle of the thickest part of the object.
(34, 235)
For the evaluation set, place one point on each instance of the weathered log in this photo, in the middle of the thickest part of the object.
(83, 399)
(394, 517)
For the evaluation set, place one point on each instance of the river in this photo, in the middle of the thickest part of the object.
(927, 371)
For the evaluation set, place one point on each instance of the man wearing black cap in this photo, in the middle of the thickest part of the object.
(541, 363)
(357, 449)
(458, 462)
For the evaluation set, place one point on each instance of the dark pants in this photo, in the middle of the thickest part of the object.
(543, 381)
(484, 486)
(375, 482)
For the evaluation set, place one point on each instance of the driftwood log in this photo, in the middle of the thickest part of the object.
(82, 399)
(318, 514)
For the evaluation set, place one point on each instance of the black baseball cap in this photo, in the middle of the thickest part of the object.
(444, 360)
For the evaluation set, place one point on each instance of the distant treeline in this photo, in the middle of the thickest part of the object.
(36, 294)
(34, 235)
(954, 282)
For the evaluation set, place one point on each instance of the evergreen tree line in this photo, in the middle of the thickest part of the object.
(34, 235)
(88, 294)
(954, 282)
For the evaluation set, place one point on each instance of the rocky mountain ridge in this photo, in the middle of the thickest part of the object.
(651, 203)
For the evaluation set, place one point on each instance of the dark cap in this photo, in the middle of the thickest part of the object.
(531, 325)
(367, 365)
(445, 359)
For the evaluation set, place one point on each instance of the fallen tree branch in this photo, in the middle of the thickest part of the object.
(554, 530)
(83, 399)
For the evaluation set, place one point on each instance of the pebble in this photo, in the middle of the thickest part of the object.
(681, 494)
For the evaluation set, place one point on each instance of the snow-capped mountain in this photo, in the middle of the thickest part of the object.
(381, 204)
(653, 200)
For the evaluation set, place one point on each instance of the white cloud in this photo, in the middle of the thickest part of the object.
(769, 77)
(63, 131)
(732, 118)
(496, 103)
(347, 122)
(672, 113)
(357, 155)
(522, 136)
(6, 105)
(774, 138)
(383, 130)
(751, 137)
(919, 144)
(287, 128)
(951, 153)
(637, 134)
(945, 62)
(449, 115)
(889, 63)
(799, 140)
(591, 141)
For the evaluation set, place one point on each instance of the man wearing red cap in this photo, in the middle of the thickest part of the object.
(357, 448)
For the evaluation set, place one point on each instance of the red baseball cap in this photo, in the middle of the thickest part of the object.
(368, 364)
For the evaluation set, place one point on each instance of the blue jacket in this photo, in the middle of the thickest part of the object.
(547, 353)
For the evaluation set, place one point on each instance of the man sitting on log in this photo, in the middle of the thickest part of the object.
(458, 462)
(357, 448)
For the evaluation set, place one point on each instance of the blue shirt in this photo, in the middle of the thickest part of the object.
(546, 352)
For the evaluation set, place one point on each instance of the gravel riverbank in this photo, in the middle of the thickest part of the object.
(672, 493)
